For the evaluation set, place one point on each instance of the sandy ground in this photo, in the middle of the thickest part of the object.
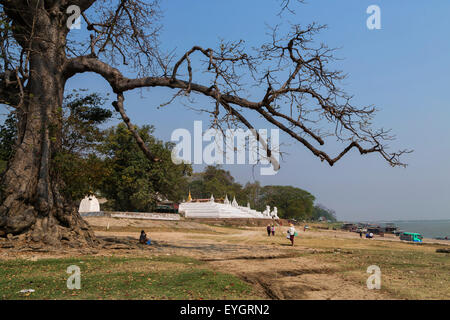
(271, 265)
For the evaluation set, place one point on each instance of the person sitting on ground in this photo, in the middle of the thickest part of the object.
(273, 230)
(143, 238)
(268, 230)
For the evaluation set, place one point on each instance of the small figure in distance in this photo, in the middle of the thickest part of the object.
(291, 234)
(143, 238)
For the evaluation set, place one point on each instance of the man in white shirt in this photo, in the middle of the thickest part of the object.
(291, 233)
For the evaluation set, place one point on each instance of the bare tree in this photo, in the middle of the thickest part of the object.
(299, 94)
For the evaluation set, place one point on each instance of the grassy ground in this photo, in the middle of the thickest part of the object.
(189, 260)
(405, 274)
(167, 277)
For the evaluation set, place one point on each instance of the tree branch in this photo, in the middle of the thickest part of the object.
(118, 105)
(120, 84)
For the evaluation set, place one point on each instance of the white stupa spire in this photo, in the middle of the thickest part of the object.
(234, 203)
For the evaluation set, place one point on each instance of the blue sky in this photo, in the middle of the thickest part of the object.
(402, 69)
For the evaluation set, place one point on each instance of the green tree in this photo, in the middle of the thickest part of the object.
(83, 114)
(253, 194)
(77, 163)
(214, 180)
(291, 202)
(135, 183)
(321, 211)
(81, 175)
(8, 136)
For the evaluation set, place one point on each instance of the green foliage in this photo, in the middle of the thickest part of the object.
(321, 211)
(3, 165)
(216, 181)
(77, 163)
(8, 135)
(81, 175)
(136, 183)
(82, 116)
(253, 193)
(291, 202)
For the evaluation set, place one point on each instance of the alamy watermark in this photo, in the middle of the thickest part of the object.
(374, 280)
(74, 281)
(74, 21)
(232, 146)
(374, 20)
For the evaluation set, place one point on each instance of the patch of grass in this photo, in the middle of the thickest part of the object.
(120, 278)
(404, 274)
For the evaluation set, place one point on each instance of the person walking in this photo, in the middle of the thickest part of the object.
(273, 230)
(268, 230)
(291, 234)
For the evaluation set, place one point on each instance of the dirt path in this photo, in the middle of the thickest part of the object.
(295, 278)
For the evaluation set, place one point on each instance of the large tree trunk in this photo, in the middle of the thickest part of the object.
(31, 202)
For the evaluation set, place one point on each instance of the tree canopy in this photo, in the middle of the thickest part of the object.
(135, 183)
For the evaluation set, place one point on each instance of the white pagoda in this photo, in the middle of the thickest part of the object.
(209, 208)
